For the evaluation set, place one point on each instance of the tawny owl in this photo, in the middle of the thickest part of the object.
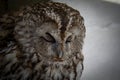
(42, 41)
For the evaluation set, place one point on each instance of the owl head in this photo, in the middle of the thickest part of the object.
(52, 31)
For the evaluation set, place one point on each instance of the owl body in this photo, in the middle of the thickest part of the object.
(42, 42)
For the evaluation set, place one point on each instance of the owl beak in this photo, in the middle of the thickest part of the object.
(58, 56)
(58, 52)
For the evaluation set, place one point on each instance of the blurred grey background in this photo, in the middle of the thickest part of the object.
(102, 42)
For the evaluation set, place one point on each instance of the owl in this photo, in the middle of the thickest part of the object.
(42, 41)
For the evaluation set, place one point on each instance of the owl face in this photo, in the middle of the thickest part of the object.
(56, 48)
(49, 42)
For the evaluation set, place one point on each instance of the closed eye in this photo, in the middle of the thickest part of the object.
(69, 39)
(49, 38)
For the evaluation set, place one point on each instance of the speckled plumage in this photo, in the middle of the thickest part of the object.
(42, 42)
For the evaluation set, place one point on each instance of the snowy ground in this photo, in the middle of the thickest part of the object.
(102, 42)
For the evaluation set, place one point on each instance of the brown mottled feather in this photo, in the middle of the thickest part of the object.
(35, 43)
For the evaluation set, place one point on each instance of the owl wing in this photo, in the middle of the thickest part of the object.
(7, 45)
(7, 24)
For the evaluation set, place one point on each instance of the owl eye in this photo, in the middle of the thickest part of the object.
(49, 38)
(69, 39)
